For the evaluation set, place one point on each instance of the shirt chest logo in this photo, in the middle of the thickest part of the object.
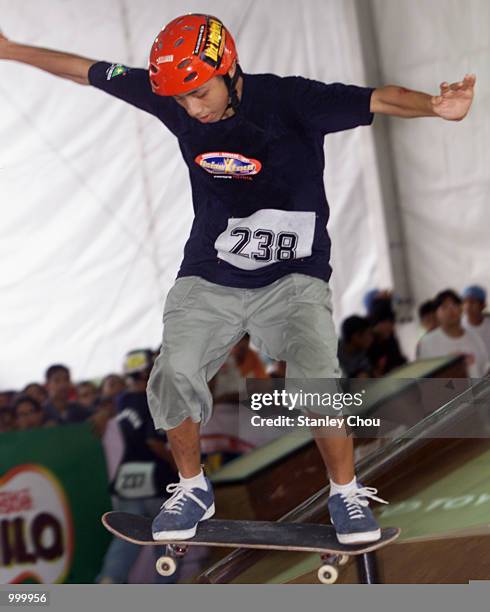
(228, 165)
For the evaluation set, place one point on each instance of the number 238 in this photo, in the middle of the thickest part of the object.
(270, 246)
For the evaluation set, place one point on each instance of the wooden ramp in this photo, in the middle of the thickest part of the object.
(444, 560)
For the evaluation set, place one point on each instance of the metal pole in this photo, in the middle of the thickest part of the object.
(367, 568)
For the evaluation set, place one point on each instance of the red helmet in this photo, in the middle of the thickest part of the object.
(189, 51)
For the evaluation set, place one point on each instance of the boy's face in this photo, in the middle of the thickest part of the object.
(208, 103)
(449, 312)
(59, 385)
(37, 392)
(112, 386)
(27, 416)
(87, 394)
(473, 307)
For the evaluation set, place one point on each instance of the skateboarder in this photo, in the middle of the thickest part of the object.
(257, 260)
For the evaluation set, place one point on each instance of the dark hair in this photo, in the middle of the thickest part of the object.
(447, 294)
(8, 394)
(33, 384)
(57, 367)
(25, 398)
(381, 310)
(111, 375)
(353, 325)
(87, 382)
(426, 308)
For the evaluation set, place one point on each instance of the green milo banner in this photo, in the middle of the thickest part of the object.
(53, 490)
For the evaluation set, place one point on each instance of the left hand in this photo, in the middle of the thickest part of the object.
(454, 101)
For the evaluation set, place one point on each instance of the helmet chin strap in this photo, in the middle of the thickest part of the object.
(233, 100)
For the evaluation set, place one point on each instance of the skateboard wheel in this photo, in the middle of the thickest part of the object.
(336, 560)
(328, 574)
(166, 566)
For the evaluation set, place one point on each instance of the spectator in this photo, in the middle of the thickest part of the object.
(112, 385)
(7, 420)
(369, 298)
(225, 385)
(474, 303)
(28, 413)
(87, 395)
(427, 316)
(105, 409)
(243, 362)
(356, 339)
(58, 408)
(384, 353)
(248, 360)
(36, 391)
(6, 399)
(222, 437)
(277, 369)
(450, 338)
(146, 456)
(428, 321)
(373, 295)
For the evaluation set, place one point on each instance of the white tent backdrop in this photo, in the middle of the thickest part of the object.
(95, 201)
(442, 169)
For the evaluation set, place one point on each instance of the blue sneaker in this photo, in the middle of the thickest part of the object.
(181, 513)
(352, 518)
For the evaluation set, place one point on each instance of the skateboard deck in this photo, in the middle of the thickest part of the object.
(270, 535)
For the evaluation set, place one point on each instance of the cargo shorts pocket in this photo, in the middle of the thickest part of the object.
(179, 294)
(311, 290)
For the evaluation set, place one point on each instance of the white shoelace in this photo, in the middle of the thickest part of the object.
(175, 503)
(358, 498)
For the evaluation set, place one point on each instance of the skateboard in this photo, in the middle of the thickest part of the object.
(268, 535)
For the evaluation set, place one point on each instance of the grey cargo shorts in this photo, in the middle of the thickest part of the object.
(289, 320)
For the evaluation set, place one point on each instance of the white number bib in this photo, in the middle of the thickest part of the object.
(266, 237)
(135, 480)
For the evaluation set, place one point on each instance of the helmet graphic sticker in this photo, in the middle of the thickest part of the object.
(188, 52)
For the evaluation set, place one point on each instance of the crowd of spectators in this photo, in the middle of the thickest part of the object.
(450, 324)
(458, 325)
(368, 348)
(59, 401)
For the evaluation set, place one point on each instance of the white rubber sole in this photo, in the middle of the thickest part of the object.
(359, 538)
(184, 534)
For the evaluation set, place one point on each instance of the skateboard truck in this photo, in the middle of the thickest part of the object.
(328, 572)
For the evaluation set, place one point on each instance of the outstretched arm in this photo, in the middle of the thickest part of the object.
(453, 102)
(65, 65)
